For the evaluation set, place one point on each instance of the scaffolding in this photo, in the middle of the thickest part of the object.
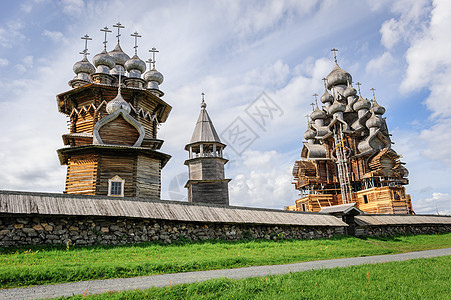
(342, 165)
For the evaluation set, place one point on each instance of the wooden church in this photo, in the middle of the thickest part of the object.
(114, 110)
(348, 156)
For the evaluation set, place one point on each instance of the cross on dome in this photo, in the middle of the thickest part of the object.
(105, 29)
(316, 98)
(325, 80)
(86, 38)
(118, 25)
(358, 84)
(136, 36)
(374, 95)
(335, 54)
(308, 119)
(153, 51)
(313, 106)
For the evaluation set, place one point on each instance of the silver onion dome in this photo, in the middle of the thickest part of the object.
(118, 103)
(103, 62)
(337, 76)
(337, 107)
(309, 134)
(153, 75)
(350, 91)
(378, 109)
(119, 57)
(326, 97)
(83, 66)
(318, 114)
(362, 104)
(373, 121)
(135, 66)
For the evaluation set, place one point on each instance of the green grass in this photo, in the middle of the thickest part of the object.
(415, 279)
(45, 265)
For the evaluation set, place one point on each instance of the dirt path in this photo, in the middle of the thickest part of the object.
(121, 284)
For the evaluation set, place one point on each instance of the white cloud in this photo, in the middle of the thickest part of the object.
(408, 25)
(55, 36)
(438, 203)
(3, 62)
(381, 64)
(263, 179)
(73, 7)
(10, 34)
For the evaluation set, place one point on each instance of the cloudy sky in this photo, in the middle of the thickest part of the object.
(240, 54)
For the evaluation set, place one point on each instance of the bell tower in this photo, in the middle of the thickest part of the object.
(112, 145)
(206, 183)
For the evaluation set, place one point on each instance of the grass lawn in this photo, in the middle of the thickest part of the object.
(44, 265)
(415, 279)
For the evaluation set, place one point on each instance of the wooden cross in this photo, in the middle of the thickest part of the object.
(374, 95)
(308, 119)
(359, 84)
(153, 51)
(118, 26)
(105, 29)
(86, 38)
(325, 80)
(316, 99)
(136, 36)
(313, 106)
(335, 54)
(149, 61)
(203, 97)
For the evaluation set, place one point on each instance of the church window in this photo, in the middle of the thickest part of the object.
(365, 199)
(116, 187)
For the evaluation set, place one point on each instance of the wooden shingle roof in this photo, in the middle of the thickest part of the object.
(380, 220)
(12, 202)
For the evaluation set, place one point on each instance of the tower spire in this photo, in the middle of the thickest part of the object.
(118, 25)
(86, 38)
(105, 29)
(203, 105)
(136, 36)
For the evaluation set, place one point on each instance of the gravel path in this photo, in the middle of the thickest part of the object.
(121, 284)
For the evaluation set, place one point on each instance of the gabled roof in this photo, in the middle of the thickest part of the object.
(204, 130)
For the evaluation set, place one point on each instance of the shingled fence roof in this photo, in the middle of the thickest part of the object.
(13, 202)
(383, 220)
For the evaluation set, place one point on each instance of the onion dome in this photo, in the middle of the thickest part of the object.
(350, 91)
(119, 56)
(118, 103)
(135, 66)
(337, 107)
(373, 121)
(83, 67)
(378, 109)
(309, 134)
(337, 76)
(362, 104)
(326, 97)
(318, 114)
(154, 78)
(103, 62)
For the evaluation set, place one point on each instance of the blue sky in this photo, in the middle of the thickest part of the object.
(233, 51)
